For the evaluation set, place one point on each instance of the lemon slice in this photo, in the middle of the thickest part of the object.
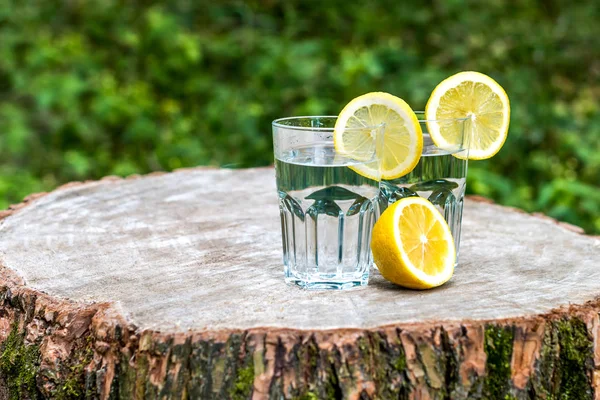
(475, 96)
(412, 244)
(403, 142)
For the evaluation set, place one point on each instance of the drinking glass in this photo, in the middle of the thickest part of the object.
(440, 176)
(327, 208)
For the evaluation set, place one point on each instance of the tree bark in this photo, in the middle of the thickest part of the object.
(97, 301)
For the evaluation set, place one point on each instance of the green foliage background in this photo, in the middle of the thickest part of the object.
(92, 88)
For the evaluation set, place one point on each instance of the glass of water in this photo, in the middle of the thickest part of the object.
(440, 176)
(327, 209)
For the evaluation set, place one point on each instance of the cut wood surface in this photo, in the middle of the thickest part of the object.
(171, 285)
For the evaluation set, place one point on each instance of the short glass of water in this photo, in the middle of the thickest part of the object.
(440, 176)
(327, 208)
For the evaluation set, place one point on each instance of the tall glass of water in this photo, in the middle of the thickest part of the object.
(327, 208)
(440, 176)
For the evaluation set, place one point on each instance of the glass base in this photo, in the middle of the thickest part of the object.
(328, 283)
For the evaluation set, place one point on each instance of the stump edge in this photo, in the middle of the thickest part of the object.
(59, 348)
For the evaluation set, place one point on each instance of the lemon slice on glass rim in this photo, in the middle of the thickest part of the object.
(403, 142)
(478, 98)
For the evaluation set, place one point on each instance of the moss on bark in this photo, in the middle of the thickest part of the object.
(575, 362)
(74, 385)
(243, 384)
(498, 347)
(19, 364)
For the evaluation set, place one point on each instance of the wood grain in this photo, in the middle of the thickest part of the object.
(172, 283)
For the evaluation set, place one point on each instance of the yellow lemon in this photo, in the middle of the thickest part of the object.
(477, 97)
(412, 244)
(403, 141)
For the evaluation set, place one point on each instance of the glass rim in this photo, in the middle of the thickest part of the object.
(277, 123)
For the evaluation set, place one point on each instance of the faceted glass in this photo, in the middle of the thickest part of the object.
(327, 209)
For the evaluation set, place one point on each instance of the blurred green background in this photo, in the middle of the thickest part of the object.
(93, 88)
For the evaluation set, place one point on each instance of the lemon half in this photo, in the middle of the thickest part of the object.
(412, 244)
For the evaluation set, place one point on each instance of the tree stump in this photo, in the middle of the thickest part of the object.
(171, 286)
